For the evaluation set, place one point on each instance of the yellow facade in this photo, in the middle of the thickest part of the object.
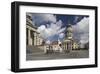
(75, 45)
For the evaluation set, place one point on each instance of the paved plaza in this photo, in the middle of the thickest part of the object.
(71, 55)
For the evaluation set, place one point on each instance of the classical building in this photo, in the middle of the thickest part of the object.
(75, 45)
(32, 36)
(67, 43)
(53, 47)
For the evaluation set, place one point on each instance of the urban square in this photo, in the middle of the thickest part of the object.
(56, 36)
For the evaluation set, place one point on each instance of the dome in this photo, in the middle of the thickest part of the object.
(69, 25)
(69, 29)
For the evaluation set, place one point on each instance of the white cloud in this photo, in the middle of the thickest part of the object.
(61, 35)
(84, 38)
(81, 30)
(40, 18)
(54, 29)
(76, 18)
(47, 31)
(82, 26)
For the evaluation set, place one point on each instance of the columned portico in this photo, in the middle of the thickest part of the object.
(67, 43)
(32, 36)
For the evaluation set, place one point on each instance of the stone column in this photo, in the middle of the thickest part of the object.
(29, 38)
(35, 39)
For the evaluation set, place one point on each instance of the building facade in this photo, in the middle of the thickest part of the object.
(75, 45)
(32, 36)
(53, 47)
(67, 43)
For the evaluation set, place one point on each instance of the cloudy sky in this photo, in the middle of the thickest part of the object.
(52, 26)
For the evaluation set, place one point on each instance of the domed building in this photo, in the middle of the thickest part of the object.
(69, 32)
(67, 43)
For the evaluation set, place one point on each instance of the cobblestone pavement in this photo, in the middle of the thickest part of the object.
(73, 54)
